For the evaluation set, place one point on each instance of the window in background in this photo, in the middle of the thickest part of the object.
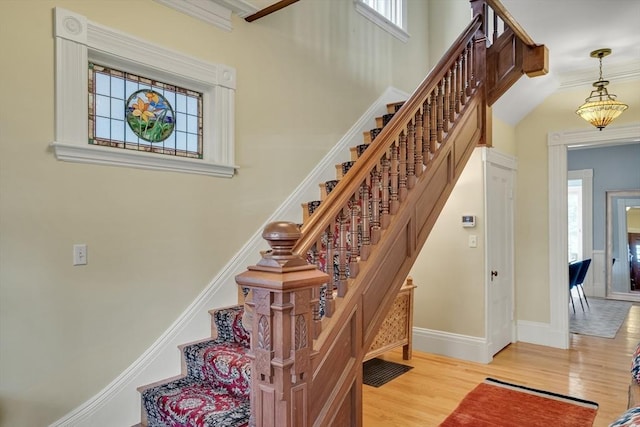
(390, 15)
(574, 209)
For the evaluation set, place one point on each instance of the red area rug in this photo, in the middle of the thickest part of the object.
(495, 403)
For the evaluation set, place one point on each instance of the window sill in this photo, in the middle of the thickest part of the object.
(106, 156)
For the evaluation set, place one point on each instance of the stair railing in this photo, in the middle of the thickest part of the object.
(311, 330)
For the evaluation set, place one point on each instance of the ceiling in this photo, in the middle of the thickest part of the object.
(570, 29)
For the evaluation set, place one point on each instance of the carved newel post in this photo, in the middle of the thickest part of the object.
(279, 309)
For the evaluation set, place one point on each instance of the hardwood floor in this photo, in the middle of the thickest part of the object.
(596, 369)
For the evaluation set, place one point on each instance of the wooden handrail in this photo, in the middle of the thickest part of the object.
(341, 194)
(517, 29)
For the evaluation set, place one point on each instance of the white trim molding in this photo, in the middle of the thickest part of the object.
(448, 344)
(79, 41)
(213, 12)
(558, 144)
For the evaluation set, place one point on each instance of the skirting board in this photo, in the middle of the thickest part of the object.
(447, 344)
(541, 334)
(119, 402)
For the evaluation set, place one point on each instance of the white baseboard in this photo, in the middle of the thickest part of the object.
(541, 334)
(119, 402)
(447, 344)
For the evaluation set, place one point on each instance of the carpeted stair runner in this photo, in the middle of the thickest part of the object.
(215, 390)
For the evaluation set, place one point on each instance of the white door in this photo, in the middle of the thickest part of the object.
(499, 187)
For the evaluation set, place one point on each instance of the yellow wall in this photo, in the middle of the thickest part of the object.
(633, 220)
(556, 113)
(155, 240)
(448, 273)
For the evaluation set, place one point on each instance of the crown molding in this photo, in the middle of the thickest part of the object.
(623, 72)
(214, 12)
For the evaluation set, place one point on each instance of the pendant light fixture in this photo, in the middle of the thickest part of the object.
(600, 108)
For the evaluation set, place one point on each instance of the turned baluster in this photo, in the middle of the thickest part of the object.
(402, 167)
(329, 307)
(365, 248)
(452, 95)
(411, 155)
(433, 143)
(342, 253)
(445, 84)
(375, 206)
(384, 209)
(426, 135)
(354, 253)
(459, 95)
(419, 157)
(470, 71)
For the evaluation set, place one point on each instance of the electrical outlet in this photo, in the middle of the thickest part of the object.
(473, 241)
(80, 254)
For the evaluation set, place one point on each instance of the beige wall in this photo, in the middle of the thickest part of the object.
(448, 273)
(556, 113)
(155, 240)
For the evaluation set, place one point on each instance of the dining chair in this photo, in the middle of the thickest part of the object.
(580, 279)
(574, 270)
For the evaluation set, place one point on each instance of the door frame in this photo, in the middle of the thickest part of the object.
(558, 144)
(492, 156)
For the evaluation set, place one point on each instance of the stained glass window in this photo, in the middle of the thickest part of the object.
(132, 112)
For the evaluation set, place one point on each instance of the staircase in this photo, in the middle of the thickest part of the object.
(317, 299)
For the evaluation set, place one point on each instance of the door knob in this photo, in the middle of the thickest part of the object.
(494, 273)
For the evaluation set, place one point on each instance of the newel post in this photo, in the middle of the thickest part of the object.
(278, 311)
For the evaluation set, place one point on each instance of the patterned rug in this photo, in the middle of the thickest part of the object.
(495, 403)
(377, 372)
(602, 318)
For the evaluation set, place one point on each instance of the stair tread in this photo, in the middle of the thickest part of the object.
(189, 401)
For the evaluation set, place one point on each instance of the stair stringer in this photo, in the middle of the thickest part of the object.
(336, 389)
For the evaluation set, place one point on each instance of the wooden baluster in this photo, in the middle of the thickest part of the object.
(445, 85)
(330, 303)
(342, 253)
(426, 136)
(365, 248)
(459, 85)
(433, 127)
(452, 95)
(394, 204)
(384, 209)
(439, 115)
(315, 310)
(471, 83)
(419, 141)
(411, 154)
(354, 253)
(375, 206)
(402, 167)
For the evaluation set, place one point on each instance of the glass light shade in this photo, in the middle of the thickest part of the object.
(602, 112)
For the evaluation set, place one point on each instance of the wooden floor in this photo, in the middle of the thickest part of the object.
(593, 368)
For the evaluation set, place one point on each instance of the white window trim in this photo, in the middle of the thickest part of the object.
(79, 41)
(374, 16)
